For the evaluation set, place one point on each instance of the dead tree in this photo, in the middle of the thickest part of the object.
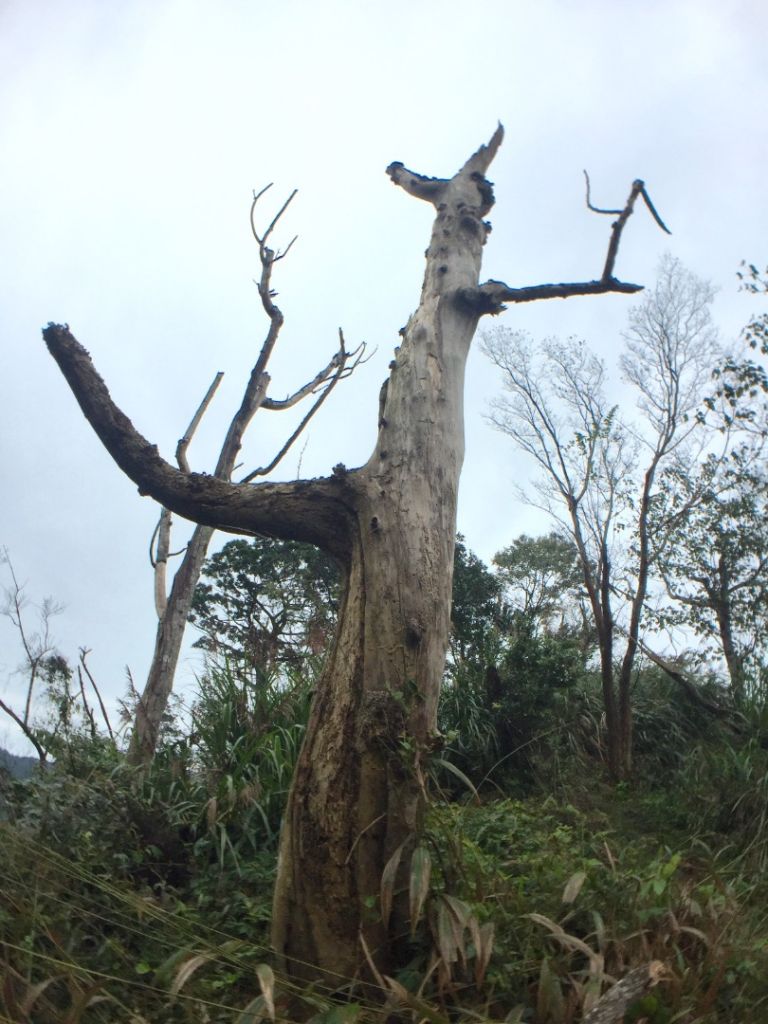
(173, 610)
(358, 791)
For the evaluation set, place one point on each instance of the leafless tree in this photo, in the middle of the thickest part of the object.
(358, 797)
(173, 610)
(43, 665)
(598, 471)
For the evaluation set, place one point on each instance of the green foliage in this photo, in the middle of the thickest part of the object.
(542, 579)
(133, 896)
(516, 655)
(266, 603)
(157, 882)
(476, 611)
(145, 895)
(575, 897)
(714, 557)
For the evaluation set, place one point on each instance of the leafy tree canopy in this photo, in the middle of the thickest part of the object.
(267, 603)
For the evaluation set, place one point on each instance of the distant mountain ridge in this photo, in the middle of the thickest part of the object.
(18, 765)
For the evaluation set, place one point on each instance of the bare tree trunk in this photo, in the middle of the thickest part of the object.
(358, 791)
(152, 704)
(173, 612)
(721, 603)
(374, 717)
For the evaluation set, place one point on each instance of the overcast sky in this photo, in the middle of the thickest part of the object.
(132, 135)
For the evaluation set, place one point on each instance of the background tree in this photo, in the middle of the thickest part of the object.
(477, 609)
(266, 603)
(357, 797)
(173, 610)
(557, 412)
(517, 649)
(542, 580)
(714, 559)
(48, 674)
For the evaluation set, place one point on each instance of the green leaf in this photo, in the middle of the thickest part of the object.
(459, 775)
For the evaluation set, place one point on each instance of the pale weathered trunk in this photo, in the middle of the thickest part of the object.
(372, 725)
(152, 704)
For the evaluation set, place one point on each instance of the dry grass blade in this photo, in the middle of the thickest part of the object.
(550, 1003)
(81, 1000)
(453, 917)
(369, 960)
(267, 984)
(572, 943)
(484, 948)
(697, 933)
(253, 1013)
(211, 811)
(422, 1008)
(34, 992)
(186, 971)
(388, 876)
(568, 941)
(573, 886)
(421, 871)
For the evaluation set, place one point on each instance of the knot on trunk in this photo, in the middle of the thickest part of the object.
(413, 633)
(382, 719)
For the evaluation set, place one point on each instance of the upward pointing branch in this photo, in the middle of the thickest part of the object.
(491, 296)
(432, 189)
(481, 160)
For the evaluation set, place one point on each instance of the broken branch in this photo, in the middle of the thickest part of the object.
(27, 730)
(181, 447)
(492, 296)
(84, 652)
(341, 359)
(308, 510)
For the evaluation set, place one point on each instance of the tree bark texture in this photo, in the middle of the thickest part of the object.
(373, 720)
(358, 792)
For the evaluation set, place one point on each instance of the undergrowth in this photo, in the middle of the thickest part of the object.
(132, 896)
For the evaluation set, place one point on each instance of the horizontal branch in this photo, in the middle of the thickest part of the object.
(432, 189)
(491, 296)
(417, 185)
(317, 511)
